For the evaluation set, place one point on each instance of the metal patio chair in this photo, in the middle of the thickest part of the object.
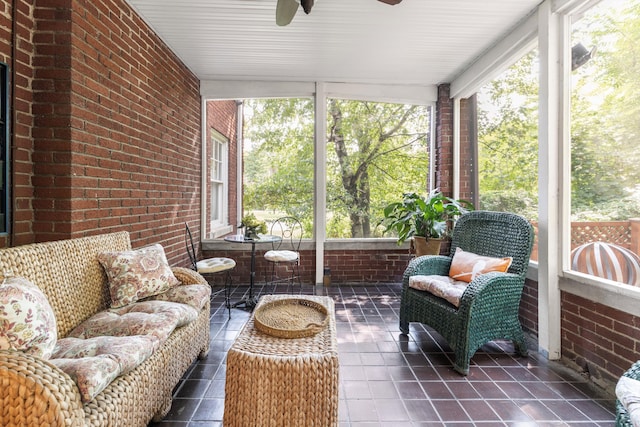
(285, 251)
(211, 266)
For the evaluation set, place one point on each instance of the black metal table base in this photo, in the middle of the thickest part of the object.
(250, 302)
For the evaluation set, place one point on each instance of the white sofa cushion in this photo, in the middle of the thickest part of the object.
(194, 295)
(157, 318)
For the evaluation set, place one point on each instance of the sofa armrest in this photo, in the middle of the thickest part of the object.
(186, 276)
(36, 392)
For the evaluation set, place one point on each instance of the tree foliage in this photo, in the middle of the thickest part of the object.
(375, 152)
(605, 112)
(508, 140)
(604, 125)
(278, 157)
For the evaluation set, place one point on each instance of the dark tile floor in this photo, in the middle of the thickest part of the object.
(387, 379)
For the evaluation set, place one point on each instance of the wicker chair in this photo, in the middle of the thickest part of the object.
(489, 306)
(623, 419)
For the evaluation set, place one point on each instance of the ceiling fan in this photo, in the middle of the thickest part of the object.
(286, 9)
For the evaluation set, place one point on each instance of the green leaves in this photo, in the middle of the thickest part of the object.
(428, 216)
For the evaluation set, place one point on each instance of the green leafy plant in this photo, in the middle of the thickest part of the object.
(428, 216)
(252, 225)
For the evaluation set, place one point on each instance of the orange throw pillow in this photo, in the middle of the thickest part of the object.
(466, 266)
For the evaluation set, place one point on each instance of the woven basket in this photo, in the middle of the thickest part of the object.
(291, 318)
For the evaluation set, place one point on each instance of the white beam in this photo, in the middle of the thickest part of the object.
(497, 59)
(403, 94)
(320, 178)
(240, 89)
(549, 167)
(456, 148)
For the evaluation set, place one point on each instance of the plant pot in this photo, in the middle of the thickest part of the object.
(421, 246)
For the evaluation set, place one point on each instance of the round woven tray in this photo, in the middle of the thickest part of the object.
(291, 318)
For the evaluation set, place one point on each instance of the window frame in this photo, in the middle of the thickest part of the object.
(218, 144)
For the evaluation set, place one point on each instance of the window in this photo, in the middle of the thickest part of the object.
(218, 180)
(278, 160)
(508, 141)
(376, 151)
(605, 108)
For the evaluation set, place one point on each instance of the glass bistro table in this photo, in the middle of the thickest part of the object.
(251, 301)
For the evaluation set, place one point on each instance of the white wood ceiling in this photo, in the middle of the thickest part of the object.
(417, 42)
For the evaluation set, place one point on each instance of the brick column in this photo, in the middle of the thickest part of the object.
(443, 166)
(444, 144)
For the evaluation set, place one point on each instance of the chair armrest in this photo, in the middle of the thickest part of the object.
(633, 372)
(494, 289)
(37, 392)
(186, 276)
(427, 265)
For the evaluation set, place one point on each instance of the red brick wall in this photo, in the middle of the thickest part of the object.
(466, 155)
(107, 126)
(598, 340)
(444, 141)
(529, 307)
(16, 49)
(444, 144)
(347, 266)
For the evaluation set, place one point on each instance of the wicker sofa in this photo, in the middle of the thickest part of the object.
(35, 392)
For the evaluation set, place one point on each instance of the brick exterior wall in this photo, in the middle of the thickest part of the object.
(107, 126)
(444, 141)
(529, 307)
(17, 50)
(348, 266)
(444, 156)
(598, 340)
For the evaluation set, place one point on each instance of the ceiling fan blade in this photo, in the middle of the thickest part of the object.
(285, 11)
(391, 2)
(306, 5)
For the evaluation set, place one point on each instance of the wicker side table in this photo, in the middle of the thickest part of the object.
(280, 381)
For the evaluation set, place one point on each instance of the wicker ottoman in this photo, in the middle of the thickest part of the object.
(281, 381)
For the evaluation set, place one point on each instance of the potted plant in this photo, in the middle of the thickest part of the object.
(427, 220)
(252, 226)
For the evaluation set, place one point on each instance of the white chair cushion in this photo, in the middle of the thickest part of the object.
(214, 265)
(440, 286)
(281, 256)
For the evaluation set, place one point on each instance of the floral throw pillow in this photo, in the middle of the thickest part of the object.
(27, 321)
(137, 274)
